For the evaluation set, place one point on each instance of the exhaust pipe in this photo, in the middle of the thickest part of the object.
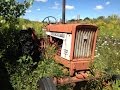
(63, 11)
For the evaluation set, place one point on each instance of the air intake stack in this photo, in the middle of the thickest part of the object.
(63, 11)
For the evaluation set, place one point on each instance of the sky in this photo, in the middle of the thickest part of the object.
(82, 8)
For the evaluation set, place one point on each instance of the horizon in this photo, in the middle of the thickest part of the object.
(74, 9)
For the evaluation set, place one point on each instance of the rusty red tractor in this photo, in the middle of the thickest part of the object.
(76, 47)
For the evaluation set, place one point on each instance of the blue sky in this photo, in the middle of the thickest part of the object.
(85, 8)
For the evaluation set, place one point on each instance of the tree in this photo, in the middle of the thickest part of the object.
(87, 19)
(101, 17)
(72, 20)
(113, 17)
(11, 9)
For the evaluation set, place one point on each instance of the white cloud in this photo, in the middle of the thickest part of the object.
(99, 7)
(28, 11)
(38, 9)
(69, 7)
(30, 6)
(41, 0)
(74, 17)
(107, 3)
(56, 5)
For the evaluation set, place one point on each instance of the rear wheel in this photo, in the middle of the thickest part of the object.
(46, 83)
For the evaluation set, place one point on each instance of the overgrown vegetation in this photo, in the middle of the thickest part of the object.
(20, 71)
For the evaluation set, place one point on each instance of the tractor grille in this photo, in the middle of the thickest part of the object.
(84, 43)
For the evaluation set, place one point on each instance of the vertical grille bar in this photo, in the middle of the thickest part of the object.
(84, 43)
(88, 44)
(80, 41)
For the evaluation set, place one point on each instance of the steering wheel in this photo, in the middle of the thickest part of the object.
(49, 20)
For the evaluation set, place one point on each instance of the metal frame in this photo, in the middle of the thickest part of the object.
(80, 64)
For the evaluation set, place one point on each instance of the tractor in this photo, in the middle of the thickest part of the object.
(75, 44)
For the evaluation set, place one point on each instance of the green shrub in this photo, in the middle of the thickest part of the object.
(116, 85)
(24, 72)
(108, 55)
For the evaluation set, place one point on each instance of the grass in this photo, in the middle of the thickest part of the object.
(107, 56)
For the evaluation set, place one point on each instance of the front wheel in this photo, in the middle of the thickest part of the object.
(46, 83)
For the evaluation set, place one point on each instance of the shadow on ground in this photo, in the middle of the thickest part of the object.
(80, 85)
(4, 78)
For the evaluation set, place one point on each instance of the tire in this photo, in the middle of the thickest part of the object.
(46, 83)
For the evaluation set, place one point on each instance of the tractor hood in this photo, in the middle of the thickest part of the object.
(67, 28)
